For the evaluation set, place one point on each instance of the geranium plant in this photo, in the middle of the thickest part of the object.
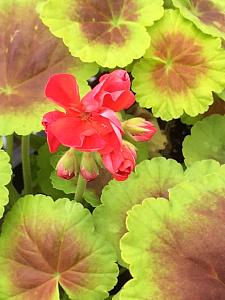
(112, 149)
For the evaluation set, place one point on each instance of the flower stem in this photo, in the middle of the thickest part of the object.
(13, 194)
(25, 148)
(9, 146)
(81, 186)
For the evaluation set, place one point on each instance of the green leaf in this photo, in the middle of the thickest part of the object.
(44, 173)
(218, 107)
(6, 172)
(29, 55)
(181, 252)
(46, 243)
(201, 168)
(111, 33)
(206, 140)
(180, 69)
(207, 15)
(151, 179)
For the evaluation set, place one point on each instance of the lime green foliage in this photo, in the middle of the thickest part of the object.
(46, 243)
(107, 32)
(29, 55)
(207, 15)
(202, 168)
(5, 176)
(206, 140)
(151, 178)
(180, 69)
(181, 249)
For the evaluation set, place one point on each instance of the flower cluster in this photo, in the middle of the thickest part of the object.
(92, 125)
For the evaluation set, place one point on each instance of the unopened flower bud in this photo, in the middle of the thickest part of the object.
(67, 166)
(139, 129)
(88, 167)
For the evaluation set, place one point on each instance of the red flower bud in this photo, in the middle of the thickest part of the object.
(67, 165)
(139, 129)
(121, 164)
(88, 168)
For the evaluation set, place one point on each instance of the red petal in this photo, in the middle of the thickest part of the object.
(51, 117)
(116, 80)
(53, 143)
(93, 143)
(63, 90)
(47, 120)
(118, 100)
(90, 102)
(112, 92)
(68, 131)
(77, 133)
(111, 116)
(104, 125)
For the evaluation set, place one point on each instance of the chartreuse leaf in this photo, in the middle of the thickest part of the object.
(207, 140)
(5, 176)
(207, 15)
(181, 252)
(46, 243)
(111, 33)
(151, 178)
(218, 107)
(29, 54)
(201, 168)
(181, 69)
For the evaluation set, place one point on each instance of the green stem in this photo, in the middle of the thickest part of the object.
(13, 194)
(81, 186)
(25, 148)
(9, 146)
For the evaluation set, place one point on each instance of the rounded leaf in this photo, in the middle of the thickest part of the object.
(207, 15)
(46, 243)
(201, 168)
(180, 69)
(111, 33)
(151, 178)
(29, 55)
(207, 140)
(6, 172)
(181, 254)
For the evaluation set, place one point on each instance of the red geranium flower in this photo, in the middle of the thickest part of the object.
(112, 92)
(120, 163)
(90, 124)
